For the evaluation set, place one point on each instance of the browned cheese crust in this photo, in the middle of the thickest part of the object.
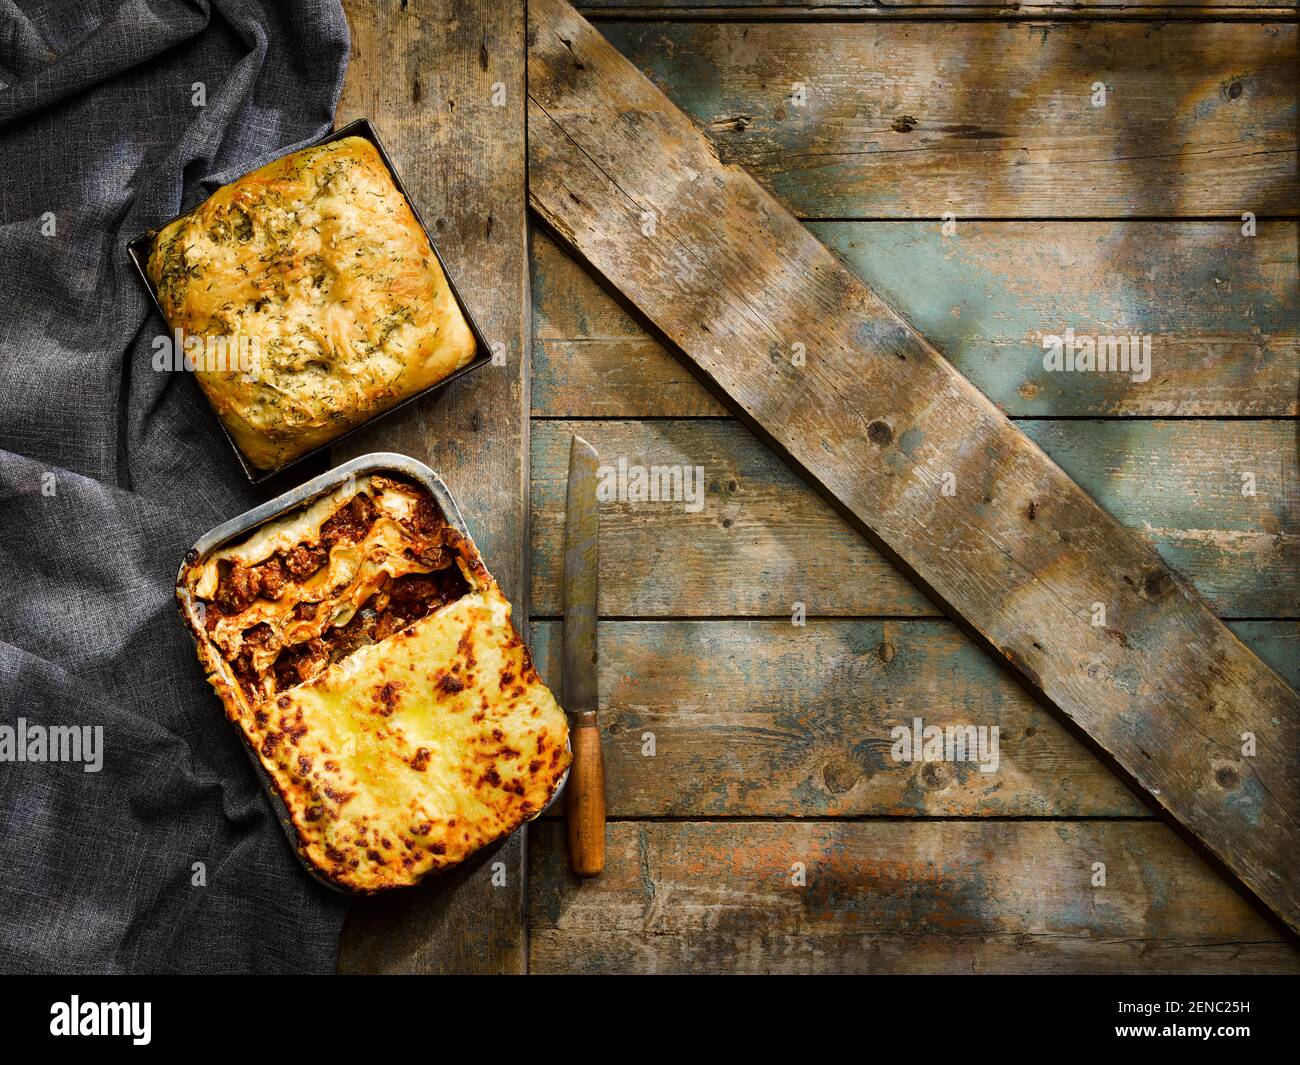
(370, 661)
(328, 302)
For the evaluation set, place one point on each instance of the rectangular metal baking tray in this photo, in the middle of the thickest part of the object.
(138, 249)
(380, 462)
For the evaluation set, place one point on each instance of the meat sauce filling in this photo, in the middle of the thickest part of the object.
(398, 603)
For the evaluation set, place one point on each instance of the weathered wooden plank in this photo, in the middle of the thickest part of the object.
(762, 539)
(766, 719)
(1220, 309)
(769, 719)
(992, 119)
(895, 897)
(946, 9)
(753, 549)
(1179, 485)
(1060, 11)
(426, 74)
(1277, 643)
(771, 737)
(865, 407)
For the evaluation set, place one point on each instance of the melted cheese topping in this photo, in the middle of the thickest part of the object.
(404, 755)
(316, 265)
(415, 752)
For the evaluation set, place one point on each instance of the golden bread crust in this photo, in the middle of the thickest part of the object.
(316, 267)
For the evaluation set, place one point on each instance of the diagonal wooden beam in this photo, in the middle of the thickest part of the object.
(930, 469)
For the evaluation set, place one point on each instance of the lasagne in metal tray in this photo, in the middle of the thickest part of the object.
(370, 661)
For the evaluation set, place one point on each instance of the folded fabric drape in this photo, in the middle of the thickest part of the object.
(151, 848)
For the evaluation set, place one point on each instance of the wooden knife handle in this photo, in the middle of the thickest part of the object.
(585, 800)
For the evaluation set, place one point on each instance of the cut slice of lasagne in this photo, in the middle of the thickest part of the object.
(370, 661)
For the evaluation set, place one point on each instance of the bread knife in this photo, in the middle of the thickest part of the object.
(585, 791)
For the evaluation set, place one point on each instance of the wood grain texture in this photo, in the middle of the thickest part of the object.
(424, 72)
(763, 539)
(1220, 309)
(767, 719)
(895, 897)
(991, 119)
(877, 418)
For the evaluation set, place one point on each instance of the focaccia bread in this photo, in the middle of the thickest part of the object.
(370, 661)
(321, 287)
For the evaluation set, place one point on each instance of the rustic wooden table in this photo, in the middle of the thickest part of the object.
(758, 822)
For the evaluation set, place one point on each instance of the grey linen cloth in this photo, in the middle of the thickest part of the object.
(116, 115)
